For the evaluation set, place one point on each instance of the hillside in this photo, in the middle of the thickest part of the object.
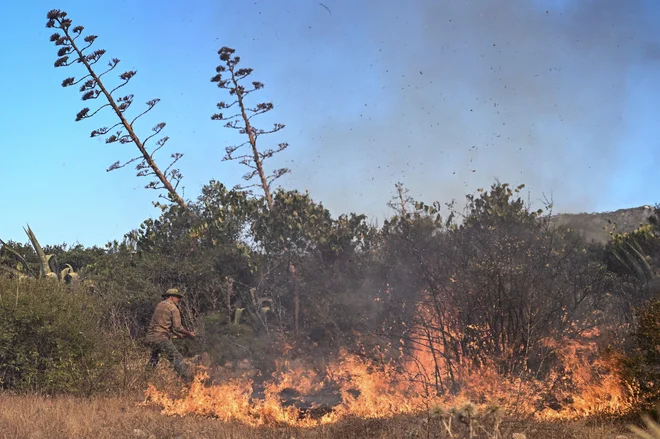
(597, 226)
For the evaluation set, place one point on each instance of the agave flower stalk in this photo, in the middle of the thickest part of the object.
(230, 77)
(71, 52)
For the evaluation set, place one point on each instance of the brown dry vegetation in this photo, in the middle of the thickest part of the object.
(38, 417)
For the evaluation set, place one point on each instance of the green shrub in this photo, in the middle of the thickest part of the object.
(642, 366)
(50, 340)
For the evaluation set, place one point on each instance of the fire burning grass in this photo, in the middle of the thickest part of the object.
(351, 388)
(580, 387)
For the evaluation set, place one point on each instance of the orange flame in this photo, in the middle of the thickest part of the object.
(582, 384)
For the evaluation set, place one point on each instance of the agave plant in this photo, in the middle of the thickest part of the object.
(22, 268)
(627, 250)
(48, 266)
(652, 429)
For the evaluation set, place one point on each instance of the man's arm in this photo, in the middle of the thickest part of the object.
(176, 324)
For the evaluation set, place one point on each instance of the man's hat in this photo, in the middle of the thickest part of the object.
(173, 292)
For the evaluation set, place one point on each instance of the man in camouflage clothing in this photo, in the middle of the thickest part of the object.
(166, 322)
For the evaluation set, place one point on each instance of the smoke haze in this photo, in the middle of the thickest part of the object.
(454, 94)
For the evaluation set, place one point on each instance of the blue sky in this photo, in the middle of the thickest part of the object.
(444, 96)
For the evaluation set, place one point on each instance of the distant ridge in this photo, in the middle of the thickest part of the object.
(597, 227)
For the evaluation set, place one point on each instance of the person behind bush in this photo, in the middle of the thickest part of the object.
(165, 323)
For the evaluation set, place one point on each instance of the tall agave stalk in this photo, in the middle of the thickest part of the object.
(75, 49)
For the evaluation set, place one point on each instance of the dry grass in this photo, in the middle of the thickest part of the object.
(67, 417)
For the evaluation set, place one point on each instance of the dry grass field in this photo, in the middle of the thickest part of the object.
(34, 417)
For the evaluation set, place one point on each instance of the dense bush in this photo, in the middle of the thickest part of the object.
(492, 288)
(489, 285)
(642, 365)
(50, 338)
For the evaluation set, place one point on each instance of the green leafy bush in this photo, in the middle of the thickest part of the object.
(50, 340)
(643, 363)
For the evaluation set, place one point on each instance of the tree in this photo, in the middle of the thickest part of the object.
(300, 240)
(242, 121)
(399, 202)
(70, 52)
(491, 290)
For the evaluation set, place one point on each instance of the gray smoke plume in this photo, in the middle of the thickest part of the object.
(459, 93)
(447, 96)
